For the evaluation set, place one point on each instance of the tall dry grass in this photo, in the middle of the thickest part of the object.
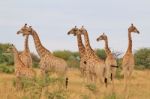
(139, 88)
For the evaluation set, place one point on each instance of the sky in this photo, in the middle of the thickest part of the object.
(52, 19)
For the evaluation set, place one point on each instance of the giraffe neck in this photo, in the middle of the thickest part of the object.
(42, 51)
(80, 45)
(107, 50)
(17, 60)
(129, 50)
(26, 45)
(87, 42)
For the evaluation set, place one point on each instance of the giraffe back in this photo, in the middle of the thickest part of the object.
(26, 58)
(53, 64)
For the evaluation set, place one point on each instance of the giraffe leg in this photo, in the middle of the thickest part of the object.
(113, 86)
(111, 76)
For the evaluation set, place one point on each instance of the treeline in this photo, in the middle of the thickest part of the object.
(142, 57)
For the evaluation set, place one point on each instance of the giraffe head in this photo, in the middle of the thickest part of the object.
(132, 28)
(25, 30)
(102, 37)
(83, 30)
(75, 31)
(11, 48)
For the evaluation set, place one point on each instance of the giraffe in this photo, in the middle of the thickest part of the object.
(128, 58)
(76, 32)
(20, 69)
(95, 65)
(25, 56)
(111, 63)
(48, 62)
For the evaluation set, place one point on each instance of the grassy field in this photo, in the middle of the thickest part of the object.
(78, 89)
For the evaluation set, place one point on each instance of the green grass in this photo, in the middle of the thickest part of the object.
(6, 69)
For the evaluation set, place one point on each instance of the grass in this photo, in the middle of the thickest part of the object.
(91, 87)
(52, 87)
(6, 69)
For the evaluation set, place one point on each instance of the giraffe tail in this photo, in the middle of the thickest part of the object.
(106, 82)
(66, 82)
(114, 66)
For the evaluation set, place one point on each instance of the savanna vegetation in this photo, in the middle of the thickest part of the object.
(51, 87)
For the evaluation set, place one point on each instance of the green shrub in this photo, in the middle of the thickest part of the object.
(6, 69)
(33, 88)
(101, 53)
(63, 54)
(142, 58)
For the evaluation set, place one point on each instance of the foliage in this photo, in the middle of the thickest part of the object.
(66, 55)
(72, 58)
(142, 58)
(6, 69)
(92, 87)
(6, 56)
(101, 53)
(33, 89)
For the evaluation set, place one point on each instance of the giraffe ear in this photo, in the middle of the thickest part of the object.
(30, 26)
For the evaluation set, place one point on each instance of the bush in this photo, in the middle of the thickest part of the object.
(6, 56)
(142, 58)
(7, 69)
(33, 88)
(63, 54)
(101, 53)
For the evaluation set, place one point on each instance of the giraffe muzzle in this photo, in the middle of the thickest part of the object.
(97, 39)
(18, 32)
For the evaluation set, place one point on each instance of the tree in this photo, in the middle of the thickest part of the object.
(101, 53)
(142, 57)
